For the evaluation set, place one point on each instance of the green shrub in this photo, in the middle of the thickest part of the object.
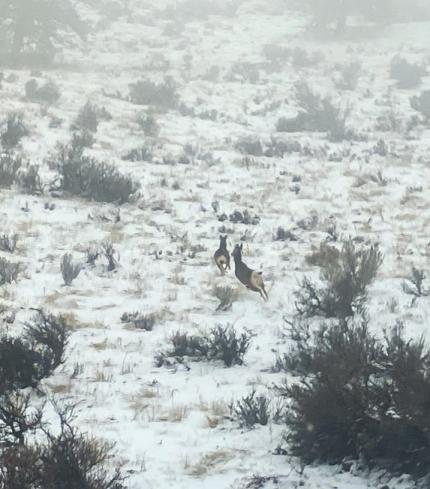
(223, 343)
(14, 131)
(162, 95)
(86, 177)
(317, 114)
(346, 276)
(361, 397)
(48, 93)
(407, 75)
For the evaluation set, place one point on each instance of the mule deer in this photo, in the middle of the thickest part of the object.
(222, 256)
(252, 279)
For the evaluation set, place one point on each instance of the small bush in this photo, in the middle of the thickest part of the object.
(140, 320)
(249, 146)
(9, 271)
(86, 177)
(88, 118)
(92, 252)
(149, 125)
(143, 153)
(349, 76)
(421, 103)
(317, 114)
(415, 284)
(17, 418)
(223, 344)
(284, 235)
(48, 93)
(48, 334)
(109, 253)
(8, 242)
(66, 459)
(14, 131)
(69, 270)
(245, 72)
(29, 180)
(407, 75)
(226, 296)
(252, 410)
(243, 217)
(364, 397)
(25, 361)
(82, 139)
(162, 95)
(226, 345)
(182, 346)
(346, 276)
(9, 167)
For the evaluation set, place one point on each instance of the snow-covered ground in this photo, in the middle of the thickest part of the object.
(172, 427)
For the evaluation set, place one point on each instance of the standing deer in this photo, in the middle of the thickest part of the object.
(222, 256)
(252, 279)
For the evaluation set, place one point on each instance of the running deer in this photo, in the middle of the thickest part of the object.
(252, 279)
(222, 256)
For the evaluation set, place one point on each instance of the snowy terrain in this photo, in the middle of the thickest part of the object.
(172, 426)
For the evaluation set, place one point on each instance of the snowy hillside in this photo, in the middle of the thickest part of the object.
(211, 160)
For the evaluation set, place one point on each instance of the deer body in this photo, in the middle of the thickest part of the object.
(252, 279)
(222, 256)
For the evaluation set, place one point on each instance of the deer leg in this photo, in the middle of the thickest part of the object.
(264, 293)
(221, 268)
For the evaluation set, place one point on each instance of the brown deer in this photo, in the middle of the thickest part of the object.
(252, 279)
(222, 256)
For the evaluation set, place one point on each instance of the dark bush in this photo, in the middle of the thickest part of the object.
(14, 131)
(162, 95)
(92, 252)
(317, 114)
(89, 117)
(421, 103)
(17, 418)
(407, 75)
(29, 179)
(140, 320)
(364, 397)
(222, 344)
(243, 217)
(9, 271)
(48, 93)
(109, 253)
(346, 276)
(48, 334)
(69, 270)
(250, 146)
(226, 345)
(8, 242)
(284, 235)
(67, 460)
(149, 125)
(82, 139)
(349, 76)
(415, 284)
(20, 366)
(143, 153)
(183, 345)
(32, 30)
(84, 176)
(252, 410)
(9, 167)
(226, 294)
(25, 361)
